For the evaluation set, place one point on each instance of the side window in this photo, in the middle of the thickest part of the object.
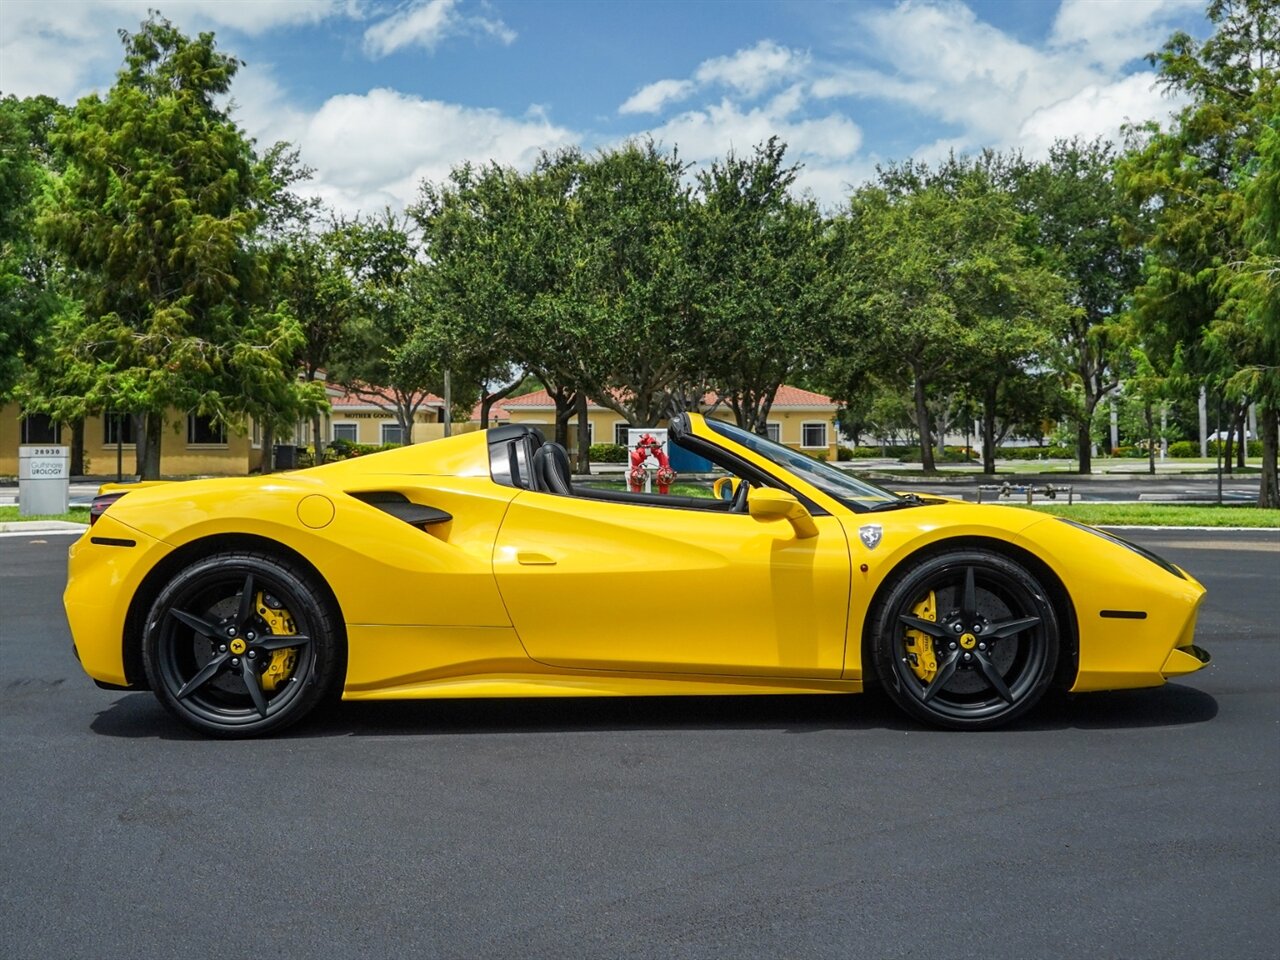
(204, 431)
(813, 435)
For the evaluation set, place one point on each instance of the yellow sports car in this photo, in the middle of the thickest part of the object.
(476, 566)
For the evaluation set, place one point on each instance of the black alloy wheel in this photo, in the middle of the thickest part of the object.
(241, 644)
(968, 639)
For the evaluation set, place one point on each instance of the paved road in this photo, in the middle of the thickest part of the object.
(1139, 824)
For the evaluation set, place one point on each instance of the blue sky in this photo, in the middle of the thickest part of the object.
(379, 95)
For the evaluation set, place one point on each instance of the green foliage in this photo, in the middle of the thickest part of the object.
(608, 453)
(844, 454)
(1182, 449)
(1052, 452)
(1207, 302)
(764, 279)
(155, 214)
(29, 294)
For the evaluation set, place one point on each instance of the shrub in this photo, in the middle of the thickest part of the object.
(1191, 448)
(607, 453)
(1035, 453)
(844, 453)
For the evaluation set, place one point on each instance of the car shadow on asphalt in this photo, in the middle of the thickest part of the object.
(139, 716)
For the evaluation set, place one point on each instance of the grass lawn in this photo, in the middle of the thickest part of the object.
(76, 515)
(1159, 515)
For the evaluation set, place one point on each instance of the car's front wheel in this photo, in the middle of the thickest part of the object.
(241, 644)
(966, 639)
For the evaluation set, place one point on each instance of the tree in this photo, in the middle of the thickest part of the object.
(155, 215)
(1204, 181)
(1078, 213)
(28, 288)
(942, 289)
(765, 293)
(383, 357)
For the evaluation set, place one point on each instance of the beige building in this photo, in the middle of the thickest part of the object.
(798, 418)
(195, 446)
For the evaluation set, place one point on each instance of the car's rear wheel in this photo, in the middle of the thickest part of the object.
(966, 639)
(242, 644)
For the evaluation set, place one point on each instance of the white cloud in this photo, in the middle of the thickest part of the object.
(64, 49)
(372, 150)
(652, 98)
(1111, 33)
(1094, 111)
(827, 147)
(999, 92)
(425, 23)
(748, 72)
(753, 70)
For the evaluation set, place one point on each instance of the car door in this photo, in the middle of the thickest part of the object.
(621, 586)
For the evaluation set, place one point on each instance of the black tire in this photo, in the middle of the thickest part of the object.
(207, 646)
(994, 640)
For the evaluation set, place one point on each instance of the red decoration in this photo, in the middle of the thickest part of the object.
(647, 446)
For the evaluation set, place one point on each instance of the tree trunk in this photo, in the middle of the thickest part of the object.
(316, 438)
(489, 399)
(153, 431)
(77, 448)
(139, 442)
(268, 464)
(1084, 444)
(564, 410)
(1243, 434)
(1151, 437)
(1269, 427)
(922, 424)
(989, 429)
(584, 433)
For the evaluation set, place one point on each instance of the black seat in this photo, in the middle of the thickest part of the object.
(551, 467)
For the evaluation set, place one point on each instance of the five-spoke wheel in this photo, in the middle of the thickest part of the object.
(966, 639)
(241, 644)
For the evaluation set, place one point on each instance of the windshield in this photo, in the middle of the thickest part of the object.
(848, 489)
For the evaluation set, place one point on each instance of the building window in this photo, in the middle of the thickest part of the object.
(205, 431)
(620, 432)
(347, 431)
(117, 425)
(256, 436)
(813, 435)
(40, 428)
(391, 433)
(774, 432)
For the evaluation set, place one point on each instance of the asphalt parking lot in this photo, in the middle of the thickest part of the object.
(1134, 824)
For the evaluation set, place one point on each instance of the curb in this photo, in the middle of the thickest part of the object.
(42, 526)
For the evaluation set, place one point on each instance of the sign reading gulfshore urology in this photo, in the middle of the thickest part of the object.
(44, 479)
(44, 463)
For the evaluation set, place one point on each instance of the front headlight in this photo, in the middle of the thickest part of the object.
(1155, 558)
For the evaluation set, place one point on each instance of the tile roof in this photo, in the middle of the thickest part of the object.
(788, 396)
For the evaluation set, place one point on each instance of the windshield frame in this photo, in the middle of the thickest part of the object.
(855, 493)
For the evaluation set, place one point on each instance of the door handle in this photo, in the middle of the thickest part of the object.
(528, 559)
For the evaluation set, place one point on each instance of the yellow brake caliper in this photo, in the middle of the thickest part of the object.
(920, 654)
(282, 661)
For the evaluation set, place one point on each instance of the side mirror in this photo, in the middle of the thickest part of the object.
(725, 487)
(766, 503)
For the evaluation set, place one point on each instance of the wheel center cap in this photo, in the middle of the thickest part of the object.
(968, 641)
(238, 646)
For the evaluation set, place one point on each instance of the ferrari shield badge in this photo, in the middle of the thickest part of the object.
(870, 534)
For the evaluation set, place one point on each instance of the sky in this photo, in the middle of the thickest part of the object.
(380, 94)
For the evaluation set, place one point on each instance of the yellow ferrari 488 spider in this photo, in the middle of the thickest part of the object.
(476, 566)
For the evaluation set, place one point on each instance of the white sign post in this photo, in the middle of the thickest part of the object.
(44, 479)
